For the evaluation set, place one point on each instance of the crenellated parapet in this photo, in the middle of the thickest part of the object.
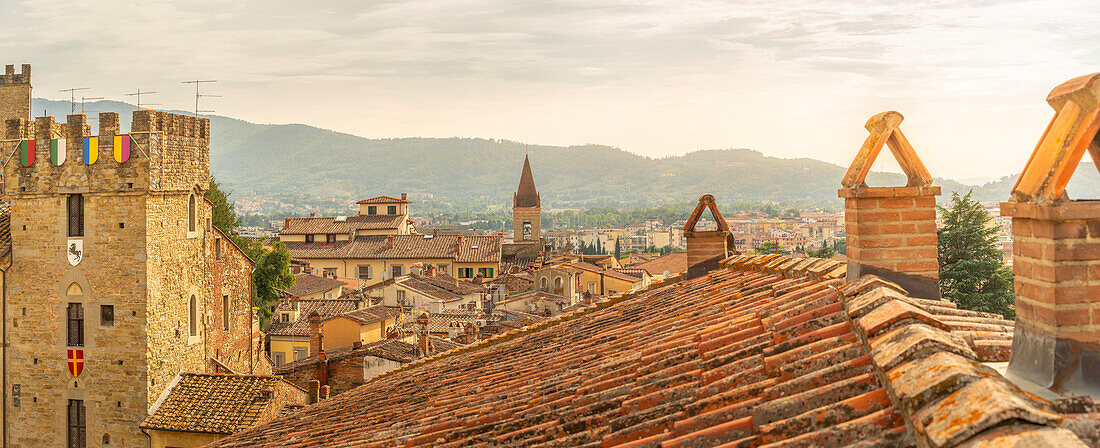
(162, 152)
(10, 77)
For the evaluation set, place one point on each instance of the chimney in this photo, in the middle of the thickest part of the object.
(431, 270)
(323, 392)
(892, 230)
(389, 240)
(314, 392)
(404, 196)
(422, 342)
(1056, 252)
(705, 248)
(315, 335)
(458, 246)
(312, 215)
(435, 232)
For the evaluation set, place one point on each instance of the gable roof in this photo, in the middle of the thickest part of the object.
(599, 270)
(391, 349)
(472, 248)
(885, 130)
(370, 314)
(672, 262)
(536, 295)
(213, 403)
(306, 283)
(383, 200)
(764, 351)
(348, 225)
(300, 327)
(1072, 132)
(526, 195)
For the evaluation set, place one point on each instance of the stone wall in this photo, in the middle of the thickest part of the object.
(230, 275)
(139, 256)
(15, 93)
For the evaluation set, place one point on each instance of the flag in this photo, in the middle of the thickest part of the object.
(26, 152)
(76, 362)
(57, 151)
(91, 150)
(122, 148)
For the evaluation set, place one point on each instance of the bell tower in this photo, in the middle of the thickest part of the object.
(527, 208)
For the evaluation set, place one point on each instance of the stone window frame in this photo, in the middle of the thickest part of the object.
(194, 316)
(226, 315)
(192, 217)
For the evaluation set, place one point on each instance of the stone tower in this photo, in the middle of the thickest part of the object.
(15, 93)
(116, 283)
(527, 207)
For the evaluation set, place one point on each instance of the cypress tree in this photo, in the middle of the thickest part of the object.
(972, 269)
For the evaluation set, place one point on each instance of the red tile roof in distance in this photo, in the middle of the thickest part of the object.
(383, 200)
(329, 224)
(765, 351)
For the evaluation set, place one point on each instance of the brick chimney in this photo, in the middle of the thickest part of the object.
(312, 215)
(430, 270)
(1056, 251)
(404, 196)
(892, 230)
(315, 334)
(389, 240)
(314, 391)
(423, 344)
(705, 248)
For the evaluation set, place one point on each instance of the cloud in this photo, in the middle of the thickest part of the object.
(654, 77)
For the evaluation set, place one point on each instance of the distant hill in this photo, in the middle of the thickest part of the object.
(298, 160)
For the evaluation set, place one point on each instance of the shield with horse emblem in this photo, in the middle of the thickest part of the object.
(75, 251)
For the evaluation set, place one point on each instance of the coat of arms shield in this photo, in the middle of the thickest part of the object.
(75, 251)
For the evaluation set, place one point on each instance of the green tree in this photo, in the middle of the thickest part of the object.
(272, 273)
(618, 250)
(824, 252)
(224, 217)
(771, 247)
(972, 270)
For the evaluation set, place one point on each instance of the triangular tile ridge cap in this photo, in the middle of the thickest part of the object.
(884, 130)
(706, 201)
(1071, 132)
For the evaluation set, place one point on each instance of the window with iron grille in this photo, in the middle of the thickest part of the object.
(76, 215)
(76, 424)
(76, 325)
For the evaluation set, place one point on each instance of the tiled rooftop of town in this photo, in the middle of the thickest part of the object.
(213, 403)
(765, 351)
(461, 248)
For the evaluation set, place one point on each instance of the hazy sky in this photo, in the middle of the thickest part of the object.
(787, 78)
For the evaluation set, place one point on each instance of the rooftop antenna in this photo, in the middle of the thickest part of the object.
(87, 98)
(72, 97)
(197, 83)
(138, 94)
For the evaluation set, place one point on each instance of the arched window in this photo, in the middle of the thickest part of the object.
(544, 283)
(191, 213)
(193, 315)
(557, 282)
(74, 290)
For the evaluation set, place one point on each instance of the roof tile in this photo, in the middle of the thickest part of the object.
(980, 405)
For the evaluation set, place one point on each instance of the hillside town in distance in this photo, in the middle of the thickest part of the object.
(131, 318)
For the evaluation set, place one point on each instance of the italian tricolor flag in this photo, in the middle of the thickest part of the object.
(57, 151)
(26, 152)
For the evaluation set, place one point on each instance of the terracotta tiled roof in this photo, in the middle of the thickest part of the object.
(441, 322)
(383, 200)
(767, 351)
(460, 287)
(329, 224)
(300, 327)
(526, 195)
(428, 289)
(305, 284)
(673, 263)
(608, 272)
(370, 314)
(472, 248)
(536, 295)
(5, 229)
(391, 349)
(212, 403)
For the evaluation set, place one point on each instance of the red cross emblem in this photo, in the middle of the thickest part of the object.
(76, 362)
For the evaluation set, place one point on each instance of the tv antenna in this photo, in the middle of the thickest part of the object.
(138, 94)
(72, 97)
(198, 95)
(87, 98)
